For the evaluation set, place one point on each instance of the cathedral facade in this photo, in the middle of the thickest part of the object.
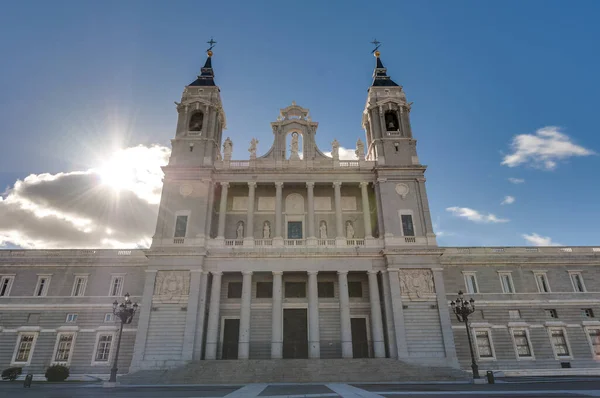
(299, 254)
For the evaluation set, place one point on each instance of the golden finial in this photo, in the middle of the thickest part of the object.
(377, 54)
(210, 53)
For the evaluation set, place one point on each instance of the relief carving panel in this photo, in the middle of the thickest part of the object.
(322, 203)
(348, 203)
(266, 203)
(416, 283)
(172, 283)
(240, 203)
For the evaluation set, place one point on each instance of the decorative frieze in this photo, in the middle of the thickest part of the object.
(172, 283)
(416, 283)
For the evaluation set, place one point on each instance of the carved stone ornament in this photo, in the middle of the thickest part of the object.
(402, 190)
(186, 190)
(416, 283)
(172, 283)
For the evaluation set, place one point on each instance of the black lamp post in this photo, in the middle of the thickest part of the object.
(463, 308)
(125, 311)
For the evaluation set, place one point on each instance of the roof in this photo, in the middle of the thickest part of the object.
(207, 75)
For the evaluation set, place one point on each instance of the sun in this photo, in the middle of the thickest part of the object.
(119, 171)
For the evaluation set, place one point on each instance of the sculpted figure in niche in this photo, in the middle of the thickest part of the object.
(349, 230)
(335, 150)
(323, 230)
(360, 150)
(239, 232)
(227, 149)
(294, 147)
(196, 121)
(252, 148)
(267, 230)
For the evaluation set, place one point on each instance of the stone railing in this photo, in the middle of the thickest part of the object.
(263, 242)
(351, 163)
(325, 242)
(355, 242)
(295, 164)
(525, 250)
(234, 242)
(293, 242)
(72, 253)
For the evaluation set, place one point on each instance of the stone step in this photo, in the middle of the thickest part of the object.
(295, 371)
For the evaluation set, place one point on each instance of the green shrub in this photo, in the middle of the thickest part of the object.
(57, 373)
(11, 373)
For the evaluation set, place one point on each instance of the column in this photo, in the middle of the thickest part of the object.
(244, 339)
(398, 314)
(376, 322)
(365, 208)
(222, 210)
(310, 186)
(144, 320)
(199, 345)
(249, 239)
(277, 317)
(209, 209)
(191, 317)
(339, 225)
(345, 325)
(314, 340)
(278, 238)
(389, 315)
(445, 322)
(212, 336)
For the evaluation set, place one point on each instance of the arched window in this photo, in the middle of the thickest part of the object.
(196, 122)
(391, 121)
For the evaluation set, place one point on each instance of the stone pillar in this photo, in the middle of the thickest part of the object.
(345, 324)
(249, 239)
(191, 317)
(212, 336)
(199, 345)
(209, 209)
(445, 322)
(376, 322)
(389, 315)
(244, 339)
(311, 210)
(144, 320)
(314, 340)
(222, 210)
(365, 209)
(380, 218)
(277, 317)
(398, 311)
(278, 238)
(339, 224)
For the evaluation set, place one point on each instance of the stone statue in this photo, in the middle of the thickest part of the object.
(360, 150)
(239, 232)
(349, 230)
(323, 230)
(252, 148)
(294, 147)
(335, 150)
(267, 230)
(227, 149)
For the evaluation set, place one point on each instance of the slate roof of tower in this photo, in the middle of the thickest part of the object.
(207, 75)
(380, 77)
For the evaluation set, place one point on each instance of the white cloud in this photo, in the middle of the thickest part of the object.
(516, 180)
(475, 216)
(543, 149)
(537, 240)
(437, 229)
(508, 200)
(345, 154)
(112, 206)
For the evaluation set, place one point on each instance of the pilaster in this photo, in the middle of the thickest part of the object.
(213, 316)
(398, 311)
(345, 324)
(277, 317)
(191, 317)
(314, 340)
(244, 336)
(222, 210)
(144, 321)
(376, 322)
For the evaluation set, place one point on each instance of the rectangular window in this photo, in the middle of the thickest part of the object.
(71, 318)
(234, 290)
(484, 345)
(407, 225)
(108, 317)
(41, 288)
(594, 336)
(577, 281)
(116, 285)
(181, 226)
(295, 289)
(559, 342)
(506, 282)
(79, 286)
(103, 348)
(24, 348)
(6, 282)
(514, 314)
(325, 289)
(542, 282)
(522, 344)
(471, 283)
(63, 347)
(264, 289)
(587, 313)
(355, 289)
(551, 313)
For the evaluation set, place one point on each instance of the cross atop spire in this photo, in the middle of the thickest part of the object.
(377, 44)
(380, 77)
(212, 43)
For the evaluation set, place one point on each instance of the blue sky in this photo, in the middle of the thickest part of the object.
(80, 80)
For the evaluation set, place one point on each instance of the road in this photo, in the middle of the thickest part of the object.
(510, 388)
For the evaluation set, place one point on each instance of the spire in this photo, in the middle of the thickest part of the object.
(380, 77)
(207, 75)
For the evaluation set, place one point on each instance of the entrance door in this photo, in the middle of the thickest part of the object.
(295, 333)
(231, 338)
(294, 230)
(360, 343)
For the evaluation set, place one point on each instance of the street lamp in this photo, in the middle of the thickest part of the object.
(462, 309)
(125, 311)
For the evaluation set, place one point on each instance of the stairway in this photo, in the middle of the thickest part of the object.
(294, 371)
